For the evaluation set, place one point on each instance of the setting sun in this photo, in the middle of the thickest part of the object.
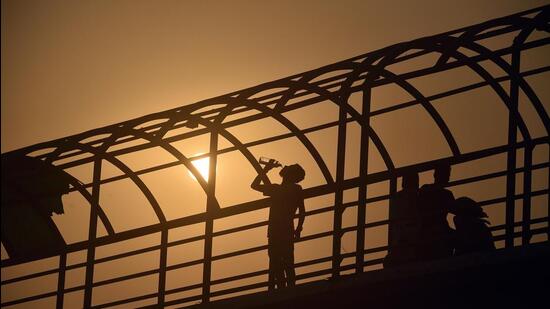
(202, 166)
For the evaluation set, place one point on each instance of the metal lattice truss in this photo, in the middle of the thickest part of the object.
(336, 83)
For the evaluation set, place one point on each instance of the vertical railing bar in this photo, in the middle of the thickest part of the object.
(162, 266)
(527, 175)
(61, 280)
(393, 190)
(338, 195)
(211, 207)
(92, 233)
(363, 172)
(512, 152)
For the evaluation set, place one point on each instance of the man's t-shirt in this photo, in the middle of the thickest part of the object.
(435, 203)
(285, 200)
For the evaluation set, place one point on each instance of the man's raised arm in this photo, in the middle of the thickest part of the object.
(257, 182)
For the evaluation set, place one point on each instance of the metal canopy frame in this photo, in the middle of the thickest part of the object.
(362, 74)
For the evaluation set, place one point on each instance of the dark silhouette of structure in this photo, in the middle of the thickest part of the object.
(31, 193)
(285, 199)
(404, 215)
(471, 230)
(497, 69)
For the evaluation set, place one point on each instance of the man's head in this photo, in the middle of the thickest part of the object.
(292, 173)
(410, 181)
(442, 174)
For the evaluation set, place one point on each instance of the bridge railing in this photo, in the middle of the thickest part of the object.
(536, 226)
(48, 280)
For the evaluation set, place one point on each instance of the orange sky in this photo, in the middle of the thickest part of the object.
(71, 66)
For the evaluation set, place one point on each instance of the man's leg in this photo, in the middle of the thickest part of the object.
(289, 266)
(271, 276)
(278, 273)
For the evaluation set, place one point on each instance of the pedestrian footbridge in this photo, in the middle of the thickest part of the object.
(159, 210)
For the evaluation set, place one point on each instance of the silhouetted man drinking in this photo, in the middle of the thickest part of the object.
(285, 198)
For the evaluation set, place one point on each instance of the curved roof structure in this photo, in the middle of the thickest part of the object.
(475, 98)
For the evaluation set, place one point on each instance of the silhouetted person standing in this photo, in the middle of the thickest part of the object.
(435, 202)
(286, 198)
(472, 233)
(404, 223)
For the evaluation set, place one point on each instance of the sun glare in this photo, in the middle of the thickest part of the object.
(202, 166)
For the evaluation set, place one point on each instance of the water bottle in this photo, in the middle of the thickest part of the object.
(265, 161)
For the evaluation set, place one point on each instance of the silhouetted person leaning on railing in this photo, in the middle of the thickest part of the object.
(404, 223)
(286, 198)
(472, 233)
(435, 202)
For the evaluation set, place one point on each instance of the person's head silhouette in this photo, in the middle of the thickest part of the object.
(292, 173)
(466, 207)
(442, 174)
(410, 181)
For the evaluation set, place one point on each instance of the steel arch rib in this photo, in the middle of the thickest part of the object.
(158, 141)
(352, 112)
(476, 68)
(489, 79)
(233, 139)
(529, 26)
(289, 125)
(357, 117)
(173, 151)
(523, 84)
(379, 70)
(126, 170)
(300, 84)
(76, 184)
(101, 214)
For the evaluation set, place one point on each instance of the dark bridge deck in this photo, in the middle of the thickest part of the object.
(517, 277)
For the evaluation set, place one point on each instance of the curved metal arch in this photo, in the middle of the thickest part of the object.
(517, 21)
(158, 141)
(350, 110)
(519, 40)
(155, 140)
(76, 184)
(528, 26)
(379, 70)
(232, 139)
(354, 114)
(127, 171)
(523, 23)
(481, 72)
(523, 84)
(88, 196)
(285, 122)
(298, 84)
(447, 134)
(358, 117)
